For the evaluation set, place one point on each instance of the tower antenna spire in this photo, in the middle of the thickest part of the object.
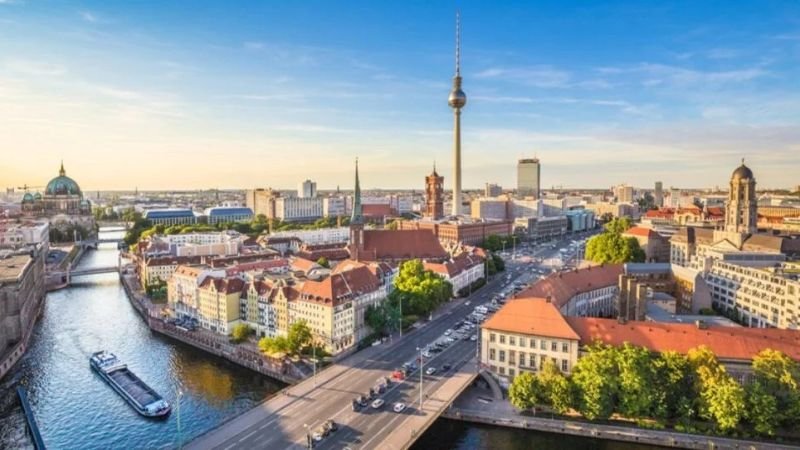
(458, 43)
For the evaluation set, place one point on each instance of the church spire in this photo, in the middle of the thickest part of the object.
(356, 216)
(62, 172)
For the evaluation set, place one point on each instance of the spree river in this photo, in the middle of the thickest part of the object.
(75, 409)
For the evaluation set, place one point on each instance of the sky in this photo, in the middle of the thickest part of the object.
(210, 94)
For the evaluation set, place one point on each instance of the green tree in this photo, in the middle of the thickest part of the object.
(423, 289)
(523, 392)
(298, 336)
(725, 401)
(637, 381)
(556, 389)
(375, 317)
(674, 394)
(779, 376)
(323, 261)
(595, 377)
(274, 345)
(241, 331)
(499, 264)
(762, 409)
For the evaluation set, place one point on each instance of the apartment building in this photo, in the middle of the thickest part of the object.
(587, 292)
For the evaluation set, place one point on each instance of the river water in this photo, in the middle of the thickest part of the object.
(75, 409)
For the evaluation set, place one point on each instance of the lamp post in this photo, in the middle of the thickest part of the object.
(421, 367)
(401, 316)
(314, 356)
(309, 441)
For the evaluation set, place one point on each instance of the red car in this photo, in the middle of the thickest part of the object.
(398, 375)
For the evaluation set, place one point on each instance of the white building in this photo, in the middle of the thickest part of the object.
(525, 208)
(296, 209)
(15, 234)
(461, 271)
(338, 206)
(307, 189)
(317, 237)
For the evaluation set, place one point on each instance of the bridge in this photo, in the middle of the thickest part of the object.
(287, 419)
(92, 271)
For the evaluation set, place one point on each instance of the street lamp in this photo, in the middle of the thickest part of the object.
(421, 367)
(309, 441)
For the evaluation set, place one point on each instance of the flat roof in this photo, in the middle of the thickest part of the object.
(12, 267)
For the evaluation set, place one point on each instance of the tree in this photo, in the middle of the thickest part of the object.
(779, 376)
(637, 381)
(611, 247)
(762, 409)
(595, 377)
(725, 402)
(274, 345)
(523, 392)
(499, 264)
(375, 317)
(241, 331)
(298, 336)
(423, 289)
(323, 261)
(556, 390)
(674, 394)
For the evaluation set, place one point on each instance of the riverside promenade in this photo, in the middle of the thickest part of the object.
(475, 405)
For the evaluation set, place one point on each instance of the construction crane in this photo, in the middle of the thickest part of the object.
(25, 187)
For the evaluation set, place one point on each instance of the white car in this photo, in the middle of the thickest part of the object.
(430, 371)
(399, 407)
(473, 338)
(426, 354)
(448, 332)
(377, 404)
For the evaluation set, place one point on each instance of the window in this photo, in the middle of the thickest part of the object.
(543, 344)
(491, 354)
(532, 360)
(492, 337)
(521, 359)
(522, 342)
(502, 356)
(511, 373)
(564, 365)
(533, 343)
(502, 338)
(554, 346)
(502, 370)
(565, 347)
(512, 357)
(512, 340)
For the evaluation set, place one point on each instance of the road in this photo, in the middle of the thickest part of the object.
(286, 421)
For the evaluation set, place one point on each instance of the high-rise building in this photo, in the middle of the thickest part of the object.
(457, 100)
(434, 201)
(623, 193)
(493, 190)
(529, 173)
(659, 195)
(741, 215)
(307, 189)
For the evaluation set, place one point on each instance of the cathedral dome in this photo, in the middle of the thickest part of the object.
(37, 196)
(27, 198)
(742, 172)
(62, 185)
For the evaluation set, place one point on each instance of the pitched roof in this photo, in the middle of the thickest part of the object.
(340, 286)
(402, 244)
(562, 286)
(454, 266)
(303, 264)
(732, 343)
(224, 285)
(641, 231)
(376, 210)
(763, 242)
(173, 260)
(531, 316)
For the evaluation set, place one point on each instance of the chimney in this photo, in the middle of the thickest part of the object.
(622, 320)
(549, 299)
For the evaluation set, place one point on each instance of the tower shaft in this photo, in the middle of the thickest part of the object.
(457, 162)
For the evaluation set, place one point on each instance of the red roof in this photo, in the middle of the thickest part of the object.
(303, 265)
(340, 286)
(664, 213)
(641, 231)
(223, 285)
(562, 286)
(531, 316)
(376, 210)
(402, 244)
(726, 342)
(454, 266)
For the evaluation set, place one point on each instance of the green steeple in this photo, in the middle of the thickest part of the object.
(62, 172)
(356, 216)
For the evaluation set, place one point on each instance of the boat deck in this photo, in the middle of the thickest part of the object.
(130, 384)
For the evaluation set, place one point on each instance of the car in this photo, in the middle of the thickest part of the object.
(378, 403)
(317, 436)
(399, 407)
(430, 371)
(445, 367)
(330, 426)
(399, 374)
(449, 340)
(355, 405)
(426, 354)
(380, 388)
(473, 338)
(448, 332)
(467, 302)
(372, 393)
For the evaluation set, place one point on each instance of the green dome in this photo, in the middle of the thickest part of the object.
(62, 185)
(27, 198)
(37, 196)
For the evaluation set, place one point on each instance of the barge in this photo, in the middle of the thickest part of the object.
(136, 392)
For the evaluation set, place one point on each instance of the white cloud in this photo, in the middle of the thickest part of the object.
(538, 76)
(36, 68)
(88, 16)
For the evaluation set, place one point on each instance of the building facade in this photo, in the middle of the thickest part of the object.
(221, 214)
(529, 177)
(170, 216)
(307, 189)
(434, 196)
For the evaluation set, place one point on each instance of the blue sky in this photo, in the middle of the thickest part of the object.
(233, 94)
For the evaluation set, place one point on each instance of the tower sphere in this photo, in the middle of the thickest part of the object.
(457, 98)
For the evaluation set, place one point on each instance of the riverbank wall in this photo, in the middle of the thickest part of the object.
(209, 342)
(610, 432)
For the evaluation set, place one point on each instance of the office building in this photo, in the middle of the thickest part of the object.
(307, 189)
(490, 209)
(658, 196)
(623, 193)
(493, 190)
(296, 209)
(529, 178)
(170, 216)
(223, 214)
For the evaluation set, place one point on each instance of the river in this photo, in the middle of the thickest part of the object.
(75, 409)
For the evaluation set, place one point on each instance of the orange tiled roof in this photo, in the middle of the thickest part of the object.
(376, 210)
(402, 244)
(224, 285)
(303, 264)
(340, 286)
(730, 343)
(562, 286)
(531, 316)
(641, 231)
